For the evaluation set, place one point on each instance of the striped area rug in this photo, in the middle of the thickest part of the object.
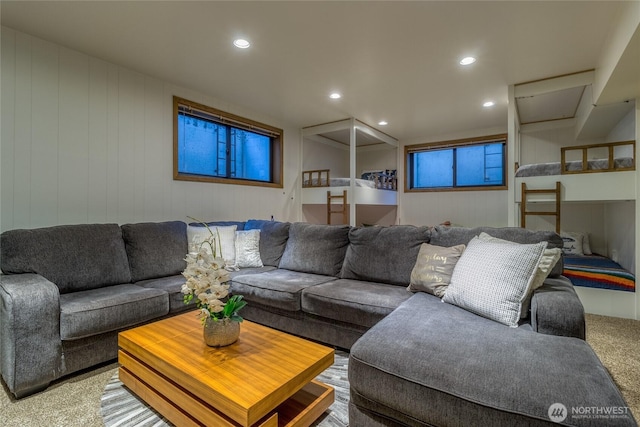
(121, 408)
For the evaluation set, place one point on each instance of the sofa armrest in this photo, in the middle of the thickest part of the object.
(29, 333)
(557, 310)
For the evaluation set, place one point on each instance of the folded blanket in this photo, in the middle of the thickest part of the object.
(595, 271)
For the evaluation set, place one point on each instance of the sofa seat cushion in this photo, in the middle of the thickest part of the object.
(383, 254)
(250, 270)
(96, 311)
(172, 285)
(277, 288)
(463, 369)
(353, 301)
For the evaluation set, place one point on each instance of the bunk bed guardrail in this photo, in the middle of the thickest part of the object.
(315, 178)
(322, 178)
(611, 165)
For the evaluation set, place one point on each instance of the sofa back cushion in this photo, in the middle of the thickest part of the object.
(383, 254)
(155, 249)
(315, 249)
(273, 239)
(451, 236)
(74, 257)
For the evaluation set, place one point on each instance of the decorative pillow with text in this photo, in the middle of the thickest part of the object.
(433, 268)
(572, 243)
(579, 235)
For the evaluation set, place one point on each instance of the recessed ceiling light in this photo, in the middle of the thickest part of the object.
(335, 95)
(382, 123)
(467, 60)
(489, 104)
(241, 43)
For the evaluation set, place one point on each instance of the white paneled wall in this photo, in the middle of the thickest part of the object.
(377, 157)
(86, 141)
(318, 155)
(625, 130)
(541, 142)
(462, 208)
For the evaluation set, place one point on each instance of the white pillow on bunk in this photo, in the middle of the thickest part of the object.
(586, 247)
(572, 243)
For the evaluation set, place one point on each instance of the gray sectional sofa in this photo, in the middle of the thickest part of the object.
(414, 360)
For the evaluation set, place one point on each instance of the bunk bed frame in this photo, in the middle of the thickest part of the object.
(570, 101)
(598, 280)
(584, 185)
(316, 187)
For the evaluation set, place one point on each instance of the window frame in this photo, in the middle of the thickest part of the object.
(409, 150)
(228, 119)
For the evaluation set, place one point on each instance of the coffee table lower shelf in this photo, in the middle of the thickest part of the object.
(182, 409)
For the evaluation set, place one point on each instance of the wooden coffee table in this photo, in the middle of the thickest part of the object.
(264, 379)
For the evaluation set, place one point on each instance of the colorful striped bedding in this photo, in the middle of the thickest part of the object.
(595, 271)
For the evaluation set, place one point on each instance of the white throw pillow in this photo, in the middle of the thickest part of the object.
(550, 257)
(572, 243)
(586, 246)
(248, 249)
(196, 235)
(492, 279)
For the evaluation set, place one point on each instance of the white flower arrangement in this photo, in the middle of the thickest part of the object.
(208, 281)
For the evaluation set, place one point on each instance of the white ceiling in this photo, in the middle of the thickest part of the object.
(393, 61)
(555, 105)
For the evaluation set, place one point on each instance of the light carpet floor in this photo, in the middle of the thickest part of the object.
(76, 401)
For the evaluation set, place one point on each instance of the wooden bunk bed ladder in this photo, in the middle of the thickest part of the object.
(342, 210)
(523, 205)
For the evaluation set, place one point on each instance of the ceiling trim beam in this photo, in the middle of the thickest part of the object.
(553, 84)
(326, 127)
(363, 127)
(327, 141)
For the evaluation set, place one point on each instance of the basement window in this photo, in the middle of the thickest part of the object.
(214, 146)
(471, 164)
